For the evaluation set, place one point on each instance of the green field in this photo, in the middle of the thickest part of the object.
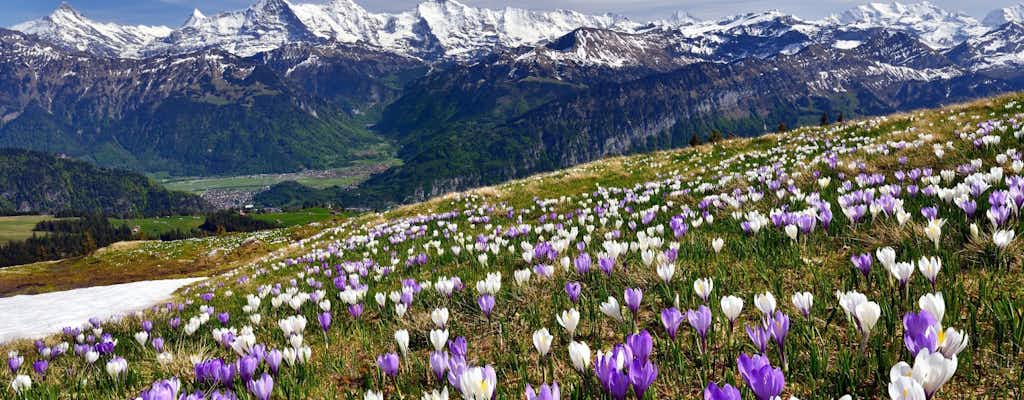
(317, 179)
(19, 227)
(154, 227)
(294, 218)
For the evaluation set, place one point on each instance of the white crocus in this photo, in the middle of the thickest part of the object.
(440, 317)
(542, 341)
(612, 309)
(934, 304)
(717, 244)
(439, 338)
(402, 339)
(579, 354)
(934, 231)
(569, 320)
(1002, 238)
(703, 287)
(765, 303)
(731, 307)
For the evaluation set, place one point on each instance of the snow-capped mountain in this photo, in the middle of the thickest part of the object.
(266, 25)
(69, 28)
(1004, 15)
(936, 27)
(434, 29)
(1001, 50)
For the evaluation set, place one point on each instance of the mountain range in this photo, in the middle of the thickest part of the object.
(468, 96)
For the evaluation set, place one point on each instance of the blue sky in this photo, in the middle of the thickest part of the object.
(174, 12)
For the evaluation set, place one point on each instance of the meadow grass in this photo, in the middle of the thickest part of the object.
(982, 285)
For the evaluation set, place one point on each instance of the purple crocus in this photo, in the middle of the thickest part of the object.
(223, 318)
(779, 328)
(247, 367)
(544, 392)
(633, 298)
(486, 303)
(40, 367)
(388, 363)
(262, 387)
(671, 318)
(14, 363)
(919, 332)
(573, 290)
(862, 262)
(700, 320)
(725, 392)
(582, 263)
(147, 326)
(158, 344)
(766, 382)
(163, 390)
(355, 310)
(613, 380)
(325, 320)
(438, 363)
(640, 345)
(607, 265)
(759, 336)
(273, 359)
(642, 374)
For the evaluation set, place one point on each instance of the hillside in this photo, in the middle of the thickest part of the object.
(42, 183)
(870, 257)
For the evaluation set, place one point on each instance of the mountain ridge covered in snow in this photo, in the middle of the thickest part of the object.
(449, 30)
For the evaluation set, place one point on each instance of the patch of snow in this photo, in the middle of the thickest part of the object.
(34, 316)
(846, 44)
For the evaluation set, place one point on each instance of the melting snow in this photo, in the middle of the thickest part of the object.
(32, 316)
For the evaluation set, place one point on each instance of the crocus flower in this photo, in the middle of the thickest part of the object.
(478, 383)
(273, 358)
(803, 301)
(759, 336)
(14, 363)
(573, 290)
(725, 392)
(388, 364)
(920, 332)
(671, 318)
(544, 392)
(486, 303)
(579, 354)
(766, 382)
(262, 387)
(247, 367)
(863, 263)
(325, 320)
(40, 367)
(700, 320)
(542, 341)
(569, 320)
(633, 297)
(642, 374)
(702, 287)
(438, 364)
(640, 345)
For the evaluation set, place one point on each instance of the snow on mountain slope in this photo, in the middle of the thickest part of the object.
(1004, 15)
(936, 27)
(453, 29)
(1002, 50)
(68, 27)
(265, 25)
(447, 30)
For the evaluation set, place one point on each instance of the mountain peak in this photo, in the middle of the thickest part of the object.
(1003, 15)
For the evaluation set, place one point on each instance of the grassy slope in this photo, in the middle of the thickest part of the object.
(983, 288)
(19, 227)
